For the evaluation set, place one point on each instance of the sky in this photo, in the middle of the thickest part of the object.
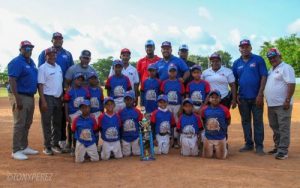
(106, 26)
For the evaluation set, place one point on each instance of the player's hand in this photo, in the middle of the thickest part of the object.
(68, 119)
(44, 106)
(286, 105)
(233, 104)
(155, 143)
(181, 80)
(19, 103)
(259, 101)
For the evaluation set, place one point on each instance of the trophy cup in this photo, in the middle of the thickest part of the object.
(146, 138)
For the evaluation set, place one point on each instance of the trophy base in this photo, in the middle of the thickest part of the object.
(147, 159)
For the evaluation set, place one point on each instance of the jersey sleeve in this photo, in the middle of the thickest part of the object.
(139, 67)
(128, 84)
(207, 87)
(67, 96)
(14, 69)
(69, 73)
(108, 84)
(179, 122)
(182, 89)
(199, 122)
(153, 117)
(162, 87)
(100, 120)
(182, 66)
(288, 75)
(74, 123)
(187, 88)
(263, 71)
(230, 77)
(226, 111)
(140, 115)
(95, 125)
(136, 77)
(143, 85)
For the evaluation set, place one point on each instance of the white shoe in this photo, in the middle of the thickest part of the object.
(29, 151)
(62, 144)
(19, 155)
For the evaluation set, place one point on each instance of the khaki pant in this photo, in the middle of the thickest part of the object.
(81, 150)
(218, 145)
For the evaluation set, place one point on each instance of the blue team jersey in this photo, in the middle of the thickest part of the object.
(215, 121)
(118, 85)
(197, 91)
(174, 90)
(85, 129)
(26, 74)
(248, 75)
(63, 58)
(110, 127)
(74, 97)
(162, 67)
(189, 124)
(162, 121)
(96, 98)
(150, 91)
(130, 118)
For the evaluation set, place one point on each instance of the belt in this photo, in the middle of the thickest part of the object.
(163, 134)
(51, 96)
(26, 94)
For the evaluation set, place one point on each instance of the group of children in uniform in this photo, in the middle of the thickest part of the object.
(180, 116)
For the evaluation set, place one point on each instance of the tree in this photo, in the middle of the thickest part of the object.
(102, 66)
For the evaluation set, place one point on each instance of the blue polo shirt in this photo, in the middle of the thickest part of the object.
(248, 75)
(63, 58)
(25, 74)
(162, 67)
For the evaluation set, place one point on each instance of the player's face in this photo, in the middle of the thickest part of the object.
(109, 106)
(172, 73)
(188, 108)
(118, 69)
(51, 58)
(196, 74)
(162, 104)
(125, 57)
(150, 50)
(93, 81)
(84, 61)
(166, 51)
(245, 50)
(57, 42)
(214, 99)
(152, 73)
(215, 63)
(128, 101)
(183, 54)
(275, 60)
(78, 81)
(26, 51)
(85, 110)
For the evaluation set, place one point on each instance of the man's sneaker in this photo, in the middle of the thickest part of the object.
(272, 152)
(56, 149)
(246, 148)
(281, 156)
(260, 152)
(19, 155)
(48, 151)
(29, 151)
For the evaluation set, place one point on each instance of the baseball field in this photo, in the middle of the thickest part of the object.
(173, 170)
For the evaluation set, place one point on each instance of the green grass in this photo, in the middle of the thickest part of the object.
(3, 92)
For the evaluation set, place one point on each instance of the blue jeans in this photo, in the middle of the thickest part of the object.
(248, 109)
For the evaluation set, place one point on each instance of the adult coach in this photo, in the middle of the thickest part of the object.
(22, 74)
(163, 64)
(219, 78)
(250, 72)
(50, 84)
(279, 92)
(183, 54)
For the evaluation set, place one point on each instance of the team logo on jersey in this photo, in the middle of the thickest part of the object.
(119, 91)
(65, 56)
(77, 101)
(213, 124)
(164, 127)
(196, 97)
(129, 125)
(151, 95)
(94, 102)
(27, 66)
(253, 65)
(111, 133)
(86, 135)
(189, 130)
(240, 67)
(172, 96)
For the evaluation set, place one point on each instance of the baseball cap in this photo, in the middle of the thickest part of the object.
(196, 67)
(57, 35)
(172, 67)
(106, 99)
(273, 52)
(215, 55)
(162, 97)
(217, 92)
(149, 43)
(129, 94)
(183, 47)
(26, 43)
(50, 50)
(245, 42)
(78, 75)
(117, 62)
(92, 74)
(187, 100)
(152, 66)
(86, 53)
(125, 50)
(85, 102)
(166, 43)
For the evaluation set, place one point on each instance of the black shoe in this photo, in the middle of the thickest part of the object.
(281, 156)
(56, 149)
(246, 148)
(272, 152)
(48, 151)
(260, 152)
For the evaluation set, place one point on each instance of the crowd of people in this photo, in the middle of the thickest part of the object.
(188, 108)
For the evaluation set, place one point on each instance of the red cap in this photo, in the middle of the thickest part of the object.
(50, 50)
(26, 43)
(125, 50)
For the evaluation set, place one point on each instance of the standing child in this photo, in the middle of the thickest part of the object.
(189, 125)
(150, 90)
(84, 128)
(117, 85)
(110, 126)
(130, 117)
(174, 89)
(162, 120)
(216, 119)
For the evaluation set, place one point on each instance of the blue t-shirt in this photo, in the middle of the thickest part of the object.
(25, 74)
(118, 85)
(74, 97)
(130, 118)
(96, 98)
(248, 75)
(174, 90)
(197, 91)
(162, 67)
(150, 91)
(189, 124)
(110, 127)
(162, 121)
(63, 58)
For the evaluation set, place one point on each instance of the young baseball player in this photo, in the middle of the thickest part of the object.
(84, 128)
(189, 125)
(162, 120)
(174, 89)
(216, 119)
(117, 85)
(74, 96)
(130, 117)
(110, 126)
(150, 90)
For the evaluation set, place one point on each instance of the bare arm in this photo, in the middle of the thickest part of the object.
(186, 75)
(260, 96)
(234, 93)
(290, 93)
(43, 105)
(13, 88)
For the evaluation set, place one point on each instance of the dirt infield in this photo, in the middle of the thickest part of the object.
(173, 170)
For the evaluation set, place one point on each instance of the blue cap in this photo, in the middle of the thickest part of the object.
(187, 100)
(196, 67)
(92, 74)
(57, 35)
(149, 43)
(78, 75)
(152, 66)
(106, 99)
(245, 42)
(273, 52)
(162, 97)
(166, 43)
(86, 53)
(217, 92)
(118, 62)
(129, 94)
(172, 67)
(85, 102)
(183, 47)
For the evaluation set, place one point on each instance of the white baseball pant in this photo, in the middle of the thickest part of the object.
(133, 146)
(189, 145)
(81, 150)
(108, 147)
(163, 144)
(218, 145)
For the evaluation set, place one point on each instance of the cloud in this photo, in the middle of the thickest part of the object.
(204, 13)
(193, 32)
(234, 36)
(294, 27)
